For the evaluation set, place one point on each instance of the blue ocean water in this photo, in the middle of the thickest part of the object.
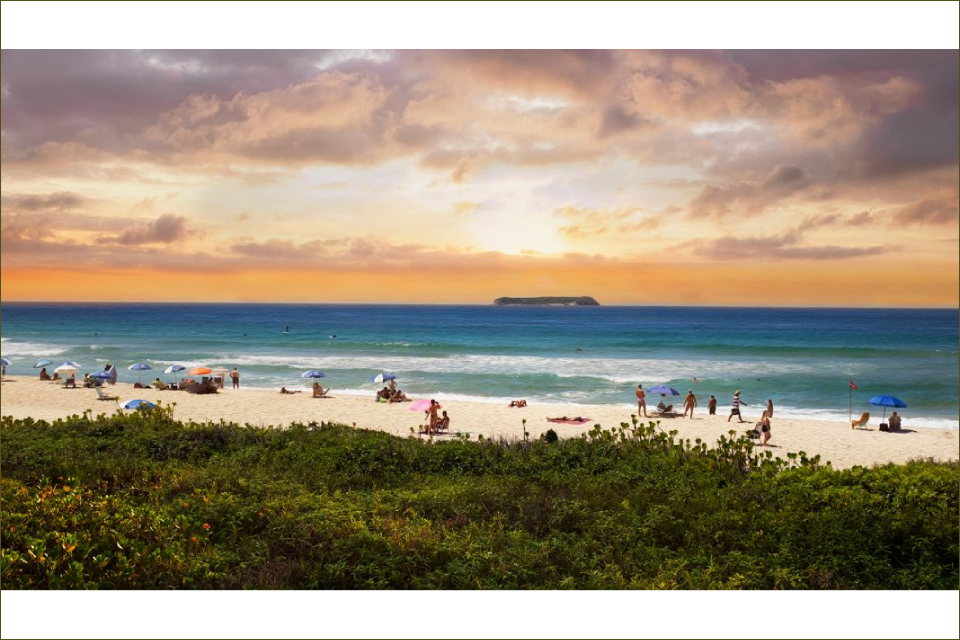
(801, 358)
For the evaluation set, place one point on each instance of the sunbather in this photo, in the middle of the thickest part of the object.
(44, 375)
(444, 422)
(287, 391)
(664, 408)
(318, 391)
(517, 403)
(160, 384)
(399, 396)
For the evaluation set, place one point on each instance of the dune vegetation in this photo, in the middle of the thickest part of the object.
(140, 501)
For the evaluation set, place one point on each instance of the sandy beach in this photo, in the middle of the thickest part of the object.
(844, 447)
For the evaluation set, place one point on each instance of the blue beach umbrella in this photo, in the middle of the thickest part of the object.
(313, 373)
(663, 390)
(4, 362)
(140, 367)
(174, 368)
(101, 375)
(43, 363)
(138, 404)
(380, 378)
(887, 401)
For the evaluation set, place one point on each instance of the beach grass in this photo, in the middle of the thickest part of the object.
(140, 501)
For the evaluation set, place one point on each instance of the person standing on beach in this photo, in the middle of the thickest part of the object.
(712, 406)
(689, 404)
(641, 401)
(235, 376)
(735, 406)
(769, 407)
(432, 412)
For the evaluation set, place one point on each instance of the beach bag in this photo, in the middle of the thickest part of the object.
(754, 433)
(884, 426)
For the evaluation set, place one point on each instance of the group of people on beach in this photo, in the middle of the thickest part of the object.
(690, 402)
(390, 393)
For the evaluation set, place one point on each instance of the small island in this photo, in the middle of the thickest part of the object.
(548, 301)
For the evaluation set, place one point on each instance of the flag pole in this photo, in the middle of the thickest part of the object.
(850, 414)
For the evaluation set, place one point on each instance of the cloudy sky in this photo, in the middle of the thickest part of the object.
(638, 177)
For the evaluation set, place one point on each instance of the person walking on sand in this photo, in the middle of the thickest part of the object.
(712, 406)
(641, 401)
(769, 407)
(735, 406)
(689, 403)
(235, 376)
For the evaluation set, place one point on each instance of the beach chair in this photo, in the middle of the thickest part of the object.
(862, 422)
(102, 395)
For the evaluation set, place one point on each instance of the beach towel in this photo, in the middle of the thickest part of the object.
(569, 420)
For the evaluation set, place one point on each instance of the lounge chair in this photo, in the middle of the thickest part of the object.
(666, 412)
(862, 422)
(101, 395)
(320, 392)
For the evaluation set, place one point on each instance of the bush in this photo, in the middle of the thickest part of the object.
(141, 501)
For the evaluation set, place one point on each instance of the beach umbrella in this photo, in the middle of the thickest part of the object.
(4, 362)
(887, 401)
(43, 363)
(663, 390)
(140, 367)
(67, 368)
(199, 371)
(175, 368)
(420, 405)
(380, 378)
(313, 373)
(138, 404)
(102, 375)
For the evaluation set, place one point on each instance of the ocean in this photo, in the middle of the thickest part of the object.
(802, 359)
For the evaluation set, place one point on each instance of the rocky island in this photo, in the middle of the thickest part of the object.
(548, 301)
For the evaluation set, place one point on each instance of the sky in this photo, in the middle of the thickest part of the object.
(714, 177)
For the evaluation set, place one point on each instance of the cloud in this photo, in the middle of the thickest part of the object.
(617, 120)
(166, 229)
(776, 247)
(587, 222)
(59, 201)
(934, 211)
(749, 197)
(787, 245)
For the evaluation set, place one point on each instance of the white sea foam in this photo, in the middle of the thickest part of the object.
(610, 369)
(13, 348)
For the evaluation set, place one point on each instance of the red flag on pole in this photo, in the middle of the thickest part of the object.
(852, 386)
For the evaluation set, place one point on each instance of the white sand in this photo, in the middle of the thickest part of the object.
(23, 397)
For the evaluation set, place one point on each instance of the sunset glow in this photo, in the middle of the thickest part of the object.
(638, 177)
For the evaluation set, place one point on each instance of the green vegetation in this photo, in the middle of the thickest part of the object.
(549, 301)
(141, 501)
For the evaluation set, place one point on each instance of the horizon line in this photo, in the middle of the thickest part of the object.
(457, 304)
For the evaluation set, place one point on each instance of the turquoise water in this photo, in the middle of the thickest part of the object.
(801, 358)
